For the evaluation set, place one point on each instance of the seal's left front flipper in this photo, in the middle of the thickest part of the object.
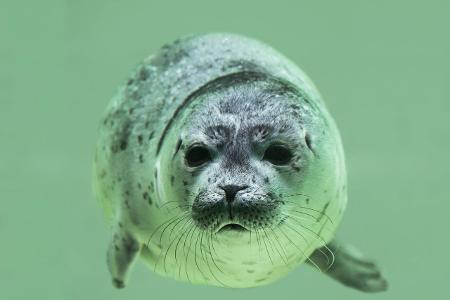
(122, 252)
(349, 267)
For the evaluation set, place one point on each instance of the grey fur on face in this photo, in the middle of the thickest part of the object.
(235, 127)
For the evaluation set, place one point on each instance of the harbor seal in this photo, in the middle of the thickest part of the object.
(218, 163)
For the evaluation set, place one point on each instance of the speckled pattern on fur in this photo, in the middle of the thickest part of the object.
(235, 95)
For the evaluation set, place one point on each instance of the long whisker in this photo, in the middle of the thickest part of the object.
(311, 231)
(173, 202)
(188, 222)
(258, 240)
(188, 229)
(205, 257)
(160, 239)
(309, 208)
(165, 228)
(267, 250)
(301, 250)
(307, 246)
(269, 241)
(157, 228)
(171, 243)
(305, 221)
(319, 238)
(188, 252)
(192, 226)
(212, 243)
(202, 252)
(195, 253)
(281, 247)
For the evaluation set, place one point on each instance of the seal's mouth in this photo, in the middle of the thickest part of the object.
(232, 227)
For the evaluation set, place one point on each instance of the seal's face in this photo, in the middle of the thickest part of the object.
(243, 150)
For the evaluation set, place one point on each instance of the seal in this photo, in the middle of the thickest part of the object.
(218, 163)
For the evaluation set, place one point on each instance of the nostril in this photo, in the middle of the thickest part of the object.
(231, 191)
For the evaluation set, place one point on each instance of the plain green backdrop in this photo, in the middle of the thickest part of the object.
(383, 68)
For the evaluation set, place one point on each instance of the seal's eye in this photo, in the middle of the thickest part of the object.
(278, 155)
(197, 155)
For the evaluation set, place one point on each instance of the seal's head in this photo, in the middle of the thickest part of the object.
(250, 152)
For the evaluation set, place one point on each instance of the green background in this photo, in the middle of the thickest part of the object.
(383, 68)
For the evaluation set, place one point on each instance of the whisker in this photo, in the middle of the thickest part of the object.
(169, 203)
(157, 228)
(311, 209)
(171, 243)
(301, 250)
(190, 225)
(258, 239)
(173, 228)
(165, 228)
(211, 245)
(301, 219)
(188, 221)
(267, 250)
(205, 258)
(160, 239)
(269, 241)
(195, 253)
(189, 250)
(281, 247)
(319, 238)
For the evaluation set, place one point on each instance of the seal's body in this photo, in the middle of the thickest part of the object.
(219, 163)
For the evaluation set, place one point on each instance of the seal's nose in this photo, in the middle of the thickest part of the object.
(231, 191)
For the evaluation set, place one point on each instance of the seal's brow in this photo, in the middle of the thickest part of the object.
(223, 131)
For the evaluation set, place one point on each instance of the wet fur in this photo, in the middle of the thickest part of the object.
(233, 94)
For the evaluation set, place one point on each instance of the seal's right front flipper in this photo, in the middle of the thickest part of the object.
(122, 252)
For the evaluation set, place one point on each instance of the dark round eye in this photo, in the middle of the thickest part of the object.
(278, 155)
(197, 155)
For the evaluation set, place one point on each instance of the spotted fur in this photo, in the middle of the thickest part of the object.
(238, 219)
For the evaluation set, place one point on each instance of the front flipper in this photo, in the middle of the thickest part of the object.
(349, 267)
(122, 252)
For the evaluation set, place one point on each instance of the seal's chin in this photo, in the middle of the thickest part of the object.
(232, 227)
